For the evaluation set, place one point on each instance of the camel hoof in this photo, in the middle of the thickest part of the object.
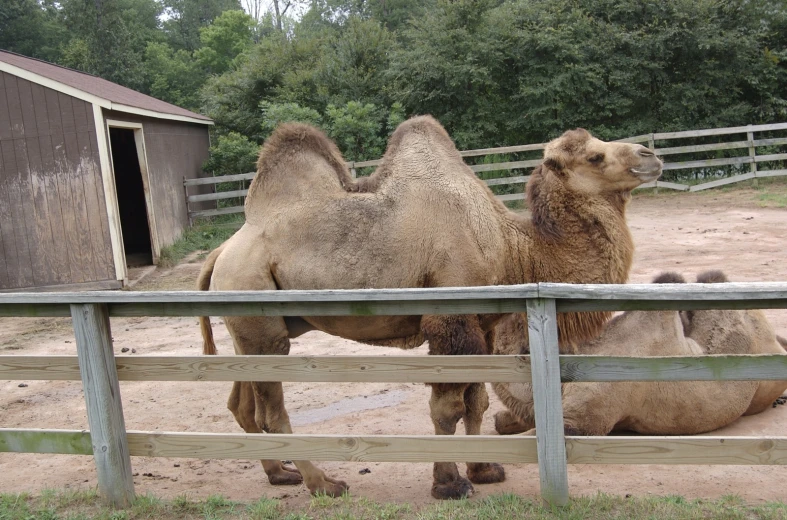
(486, 473)
(507, 423)
(453, 490)
(286, 477)
(330, 487)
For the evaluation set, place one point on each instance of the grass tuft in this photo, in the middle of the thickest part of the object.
(204, 235)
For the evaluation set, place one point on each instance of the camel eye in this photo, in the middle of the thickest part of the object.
(596, 158)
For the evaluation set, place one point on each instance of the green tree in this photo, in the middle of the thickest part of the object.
(185, 18)
(229, 35)
(232, 153)
(32, 28)
(109, 37)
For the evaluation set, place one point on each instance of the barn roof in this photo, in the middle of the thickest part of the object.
(94, 89)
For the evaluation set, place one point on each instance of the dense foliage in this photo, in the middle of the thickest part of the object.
(493, 72)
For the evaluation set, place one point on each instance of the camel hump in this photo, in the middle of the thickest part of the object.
(426, 130)
(296, 161)
(669, 277)
(290, 139)
(714, 276)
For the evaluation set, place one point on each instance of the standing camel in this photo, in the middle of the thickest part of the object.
(423, 219)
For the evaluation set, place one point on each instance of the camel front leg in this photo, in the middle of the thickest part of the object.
(476, 403)
(447, 406)
(457, 335)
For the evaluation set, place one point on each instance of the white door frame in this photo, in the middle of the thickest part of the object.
(139, 140)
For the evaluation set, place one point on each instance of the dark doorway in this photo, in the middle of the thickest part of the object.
(131, 198)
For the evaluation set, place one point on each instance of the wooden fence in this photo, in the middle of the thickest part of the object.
(111, 445)
(688, 155)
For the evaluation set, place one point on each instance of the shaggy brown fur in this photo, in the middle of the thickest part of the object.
(660, 408)
(422, 220)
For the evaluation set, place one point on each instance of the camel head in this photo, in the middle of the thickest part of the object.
(594, 166)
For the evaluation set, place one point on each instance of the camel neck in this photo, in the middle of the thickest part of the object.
(574, 238)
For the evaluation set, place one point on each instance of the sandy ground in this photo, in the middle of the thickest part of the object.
(686, 232)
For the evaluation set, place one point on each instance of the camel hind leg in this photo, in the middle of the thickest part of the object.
(269, 336)
(243, 404)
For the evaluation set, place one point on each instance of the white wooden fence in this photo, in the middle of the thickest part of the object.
(111, 445)
(747, 148)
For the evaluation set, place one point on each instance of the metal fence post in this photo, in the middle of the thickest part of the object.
(545, 366)
(104, 408)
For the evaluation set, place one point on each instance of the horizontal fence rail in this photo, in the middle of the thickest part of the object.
(750, 157)
(112, 446)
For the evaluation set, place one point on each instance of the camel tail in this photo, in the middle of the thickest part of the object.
(203, 284)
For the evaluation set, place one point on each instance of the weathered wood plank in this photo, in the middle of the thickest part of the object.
(43, 248)
(770, 142)
(218, 179)
(5, 116)
(366, 302)
(14, 106)
(104, 407)
(707, 163)
(772, 173)
(722, 182)
(677, 450)
(672, 150)
(505, 166)
(66, 442)
(11, 180)
(39, 105)
(367, 448)
(77, 169)
(705, 368)
(218, 196)
(545, 364)
(215, 212)
(101, 256)
(503, 149)
(671, 185)
(104, 285)
(522, 179)
(63, 179)
(46, 181)
(27, 107)
(720, 131)
(392, 369)
(9, 277)
(403, 369)
(772, 157)
(688, 291)
(512, 196)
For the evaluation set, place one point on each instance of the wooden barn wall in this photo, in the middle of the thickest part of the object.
(53, 216)
(174, 150)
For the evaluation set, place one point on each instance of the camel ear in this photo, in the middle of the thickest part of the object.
(669, 277)
(714, 276)
(558, 153)
(554, 164)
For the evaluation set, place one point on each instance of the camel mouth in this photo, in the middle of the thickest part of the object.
(647, 175)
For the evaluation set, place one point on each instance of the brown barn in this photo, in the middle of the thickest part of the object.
(77, 205)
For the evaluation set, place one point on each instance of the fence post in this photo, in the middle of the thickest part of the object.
(753, 155)
(652, 146)
(353, 173)
(104, 408)
(545, 367)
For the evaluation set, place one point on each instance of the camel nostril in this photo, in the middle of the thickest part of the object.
(644, 152)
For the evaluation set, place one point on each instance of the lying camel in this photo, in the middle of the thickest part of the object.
(659, 408)
(423, 219)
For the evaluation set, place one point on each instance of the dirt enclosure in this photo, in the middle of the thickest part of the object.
(685, 232)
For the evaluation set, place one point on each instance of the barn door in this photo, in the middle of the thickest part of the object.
(132, 187)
